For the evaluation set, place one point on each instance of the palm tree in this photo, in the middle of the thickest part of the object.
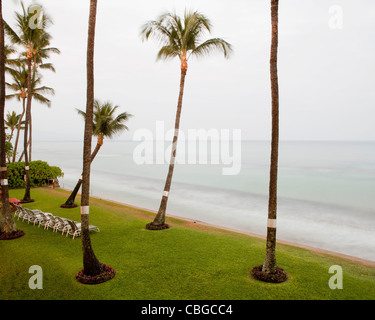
(91, 264)
(29, 38)
(9, 62)
(38, 94)
(105, 124)
(19, 85)
(8, 227)
(11, 122)
(41, 51)
(180, 38)
(269, 267)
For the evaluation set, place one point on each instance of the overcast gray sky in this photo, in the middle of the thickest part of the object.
(326, 72)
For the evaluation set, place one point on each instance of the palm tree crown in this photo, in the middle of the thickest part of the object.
(11, 122)
(183, 37)
(105, 124)
(19, 85)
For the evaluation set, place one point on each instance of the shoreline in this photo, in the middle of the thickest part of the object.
(285, 242)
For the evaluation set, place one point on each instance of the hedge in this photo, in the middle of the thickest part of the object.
(40, 173)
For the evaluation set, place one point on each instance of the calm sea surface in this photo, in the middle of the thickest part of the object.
(326, 193)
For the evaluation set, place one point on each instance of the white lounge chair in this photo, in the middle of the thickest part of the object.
(75, 228)
(60, 225)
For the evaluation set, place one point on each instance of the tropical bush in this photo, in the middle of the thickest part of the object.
(40, 173)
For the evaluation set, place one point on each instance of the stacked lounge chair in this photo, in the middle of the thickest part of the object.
(49, 221)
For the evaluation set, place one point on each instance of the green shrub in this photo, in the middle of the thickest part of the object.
(40, 174)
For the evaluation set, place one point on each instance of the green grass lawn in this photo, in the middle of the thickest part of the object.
(188, 261)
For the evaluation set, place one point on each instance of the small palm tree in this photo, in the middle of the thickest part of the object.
(180, 38)
(20, 87)
(11, 123)
(105, 125)
(10, 62)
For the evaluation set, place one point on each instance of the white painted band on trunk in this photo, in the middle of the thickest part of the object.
(3, 169)
(4, 182)
(85, 210)
(165, 193)
(271, 223)
(27, 168)
(176, 131)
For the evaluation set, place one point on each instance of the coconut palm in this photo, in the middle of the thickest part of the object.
(41, 51)
(105, 125)
(91, 264)
(19, 86)
(8, 227)
(10, 62)
(38, 93)
(182, 38)
(29, 38)
(269, 266)
(11, 123)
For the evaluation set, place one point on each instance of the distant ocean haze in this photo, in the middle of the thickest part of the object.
(325, 189)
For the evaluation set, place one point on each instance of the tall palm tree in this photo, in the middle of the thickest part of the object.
(29, 38)
(91, 264)
(40, 50)
(105, 125)
(8, 227)
(180, 38)
(269, 267)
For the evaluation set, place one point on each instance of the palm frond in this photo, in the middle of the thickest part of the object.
(212, 46)
(104, 121)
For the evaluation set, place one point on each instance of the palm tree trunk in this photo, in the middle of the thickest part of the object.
(19, 129)
(160, 217)
(90, 263)
(27, 197)
(30, 136)
(269, 265)
(31, 121)
(11, 134)
(7, 224)
(70, 202)
(23, 153)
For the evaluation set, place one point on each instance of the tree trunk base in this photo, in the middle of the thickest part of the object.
(152, 226)
(107, 274)
(279, 276)
(68, 206)
(27, 201)
(11, 236)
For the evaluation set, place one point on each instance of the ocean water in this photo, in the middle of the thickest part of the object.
(325, 189)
